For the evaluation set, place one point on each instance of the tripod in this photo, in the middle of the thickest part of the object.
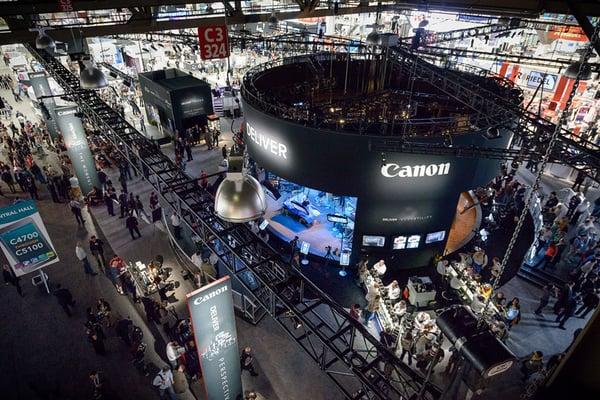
(328, 255)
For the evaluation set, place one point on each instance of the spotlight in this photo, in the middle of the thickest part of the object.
(43, 41)
(373, 37)
(492, 133)
(239, 197)
(573, 69)
(91, 77)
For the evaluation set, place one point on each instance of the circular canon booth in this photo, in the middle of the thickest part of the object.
(321, 126)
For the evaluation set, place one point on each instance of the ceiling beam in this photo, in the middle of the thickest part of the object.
(151, 25)
(491, 7)
(581, 16)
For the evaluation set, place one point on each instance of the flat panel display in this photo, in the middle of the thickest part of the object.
(373, 241)
(435, 237)
(413, 242)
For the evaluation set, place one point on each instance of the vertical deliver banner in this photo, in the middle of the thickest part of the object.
(24, 239)
(39, 82)
(213, 320)
(77, 147)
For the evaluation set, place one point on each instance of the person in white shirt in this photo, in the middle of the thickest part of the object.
(380, 267)
(394, 291)
(197, 259)
(400, 308)
(173, 353)
(478, 304)
(164, 382)
(559, 210)
(82, 256)
(441, 267)
(176, 225)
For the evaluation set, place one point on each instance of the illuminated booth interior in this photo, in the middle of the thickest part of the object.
(175, 100)
(338, 125)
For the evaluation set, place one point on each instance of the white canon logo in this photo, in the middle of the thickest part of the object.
(202, 299)
(415, 171)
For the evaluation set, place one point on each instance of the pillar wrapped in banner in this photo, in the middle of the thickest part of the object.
(39, 82)
(213, 321)
(77, 148)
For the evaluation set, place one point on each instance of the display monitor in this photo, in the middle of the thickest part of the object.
(339, 219)
(373, 241)
(304, 247)
(413, 241)
(263, 225)
(399, 243)
(435, 237)
(345, 258)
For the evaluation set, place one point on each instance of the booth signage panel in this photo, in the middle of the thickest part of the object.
(214, 42)
(213, 321)
(77, 148)
(24, 239)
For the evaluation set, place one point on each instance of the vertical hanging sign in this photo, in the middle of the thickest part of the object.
(41, 88)
(214, 42)
(213, 321)
(77, 148)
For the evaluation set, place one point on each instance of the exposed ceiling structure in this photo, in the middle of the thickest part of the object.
(138, 16)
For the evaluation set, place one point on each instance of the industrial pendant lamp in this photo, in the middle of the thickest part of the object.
(43, 41)
(373, 37)
(240, 197)
(91, 77)
(573, 69)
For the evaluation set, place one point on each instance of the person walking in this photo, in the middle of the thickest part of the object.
(10, 278)
(76, 210)
(97, 341)
(110, 205)
(123, 329)
(97, 250)
(176, 222)
(163, 381)
(548, 258)
(590, 302)
(247, 360)
(407, 344)
(174, 351)
(132, 224)
(52, 189)
(82, 256)
(547, 292)
(123, 201)
(180, 380)
(567, 312)
(65, 299)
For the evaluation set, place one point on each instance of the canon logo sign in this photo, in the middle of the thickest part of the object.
(214, 293)
(414, 171)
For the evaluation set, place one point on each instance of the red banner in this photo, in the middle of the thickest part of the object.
(573, 33)
(213, 42)
(65, 5)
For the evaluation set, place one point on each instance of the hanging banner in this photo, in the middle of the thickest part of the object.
(214, 42)
(24, 239)
(77, 148)
(213, 321)
(39, 82)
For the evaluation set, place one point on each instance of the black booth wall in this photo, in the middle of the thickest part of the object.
(343, 164)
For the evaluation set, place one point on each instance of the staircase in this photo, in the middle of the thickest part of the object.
(539, 277)
(218, 106)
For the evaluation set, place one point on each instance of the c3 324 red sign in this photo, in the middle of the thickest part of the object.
(213, 42)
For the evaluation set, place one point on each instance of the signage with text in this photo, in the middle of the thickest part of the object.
(24, 238)
(77, 148)
(213, 321)
(213, 42)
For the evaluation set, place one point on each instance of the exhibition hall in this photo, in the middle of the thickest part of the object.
(282, 200)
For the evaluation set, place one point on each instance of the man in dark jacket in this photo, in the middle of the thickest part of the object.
(65, 299)
(590, 302)
(97, 250)
(132, 224)
(124, 201)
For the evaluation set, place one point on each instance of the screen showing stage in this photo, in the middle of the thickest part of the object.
(323, 220)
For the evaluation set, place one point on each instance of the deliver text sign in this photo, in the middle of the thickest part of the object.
(213, 42)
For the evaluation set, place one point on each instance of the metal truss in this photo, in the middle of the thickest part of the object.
(342, 347)
(117, 72)
(508, 112)
(444, 52)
